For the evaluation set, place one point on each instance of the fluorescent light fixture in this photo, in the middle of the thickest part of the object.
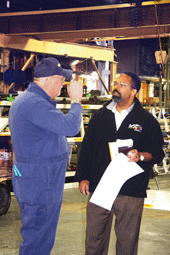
(8, 4)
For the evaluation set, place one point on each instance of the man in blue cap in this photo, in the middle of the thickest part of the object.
(38, 132)
(121, 118)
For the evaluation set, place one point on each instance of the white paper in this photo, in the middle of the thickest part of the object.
(116, 174)
(125, 142)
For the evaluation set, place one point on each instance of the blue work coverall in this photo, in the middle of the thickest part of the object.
(41, 152)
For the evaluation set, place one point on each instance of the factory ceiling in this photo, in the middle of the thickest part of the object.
(32, 5)
(85, 21)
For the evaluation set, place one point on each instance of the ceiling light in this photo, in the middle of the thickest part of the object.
(120, 36)
(8, 4)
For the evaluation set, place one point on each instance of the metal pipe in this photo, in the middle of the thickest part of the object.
(100, 77)
(23, 68)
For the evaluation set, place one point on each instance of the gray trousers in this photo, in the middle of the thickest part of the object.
(128, 213)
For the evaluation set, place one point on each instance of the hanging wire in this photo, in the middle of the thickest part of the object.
(163, 69)
(158, 27)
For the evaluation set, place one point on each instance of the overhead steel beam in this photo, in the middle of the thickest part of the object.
(83, 9)
(84, 24)
(78, 9)
(60, 49)
(112, 33)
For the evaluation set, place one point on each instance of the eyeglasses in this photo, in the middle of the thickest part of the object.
(122, 85)
(62, 78)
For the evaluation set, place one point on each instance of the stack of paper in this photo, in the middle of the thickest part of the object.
(116, 174)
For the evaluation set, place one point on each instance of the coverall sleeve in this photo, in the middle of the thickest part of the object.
(45, 115)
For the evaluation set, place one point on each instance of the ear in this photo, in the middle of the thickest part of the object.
(134, 92)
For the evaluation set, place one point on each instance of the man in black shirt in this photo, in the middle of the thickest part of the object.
(121, 118)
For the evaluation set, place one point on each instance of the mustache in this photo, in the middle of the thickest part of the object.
(115, 90)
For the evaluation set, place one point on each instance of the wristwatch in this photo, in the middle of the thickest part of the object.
(141, 157)
(75, 101)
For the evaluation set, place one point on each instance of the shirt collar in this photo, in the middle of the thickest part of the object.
(112, 107)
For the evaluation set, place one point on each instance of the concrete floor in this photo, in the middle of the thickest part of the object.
(154, 234)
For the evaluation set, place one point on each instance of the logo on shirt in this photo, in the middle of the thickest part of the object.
(135, 127)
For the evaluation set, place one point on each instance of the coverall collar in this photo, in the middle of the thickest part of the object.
(37, 89)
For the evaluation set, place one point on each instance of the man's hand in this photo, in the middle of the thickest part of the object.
(84, 187)
(75, 90)
(133, 156)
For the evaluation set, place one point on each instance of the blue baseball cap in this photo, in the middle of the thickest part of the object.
(49, 67)
(136, 80)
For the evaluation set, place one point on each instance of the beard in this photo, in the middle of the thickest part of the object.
(116, 99)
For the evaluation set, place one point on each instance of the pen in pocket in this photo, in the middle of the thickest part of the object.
(17, 172)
